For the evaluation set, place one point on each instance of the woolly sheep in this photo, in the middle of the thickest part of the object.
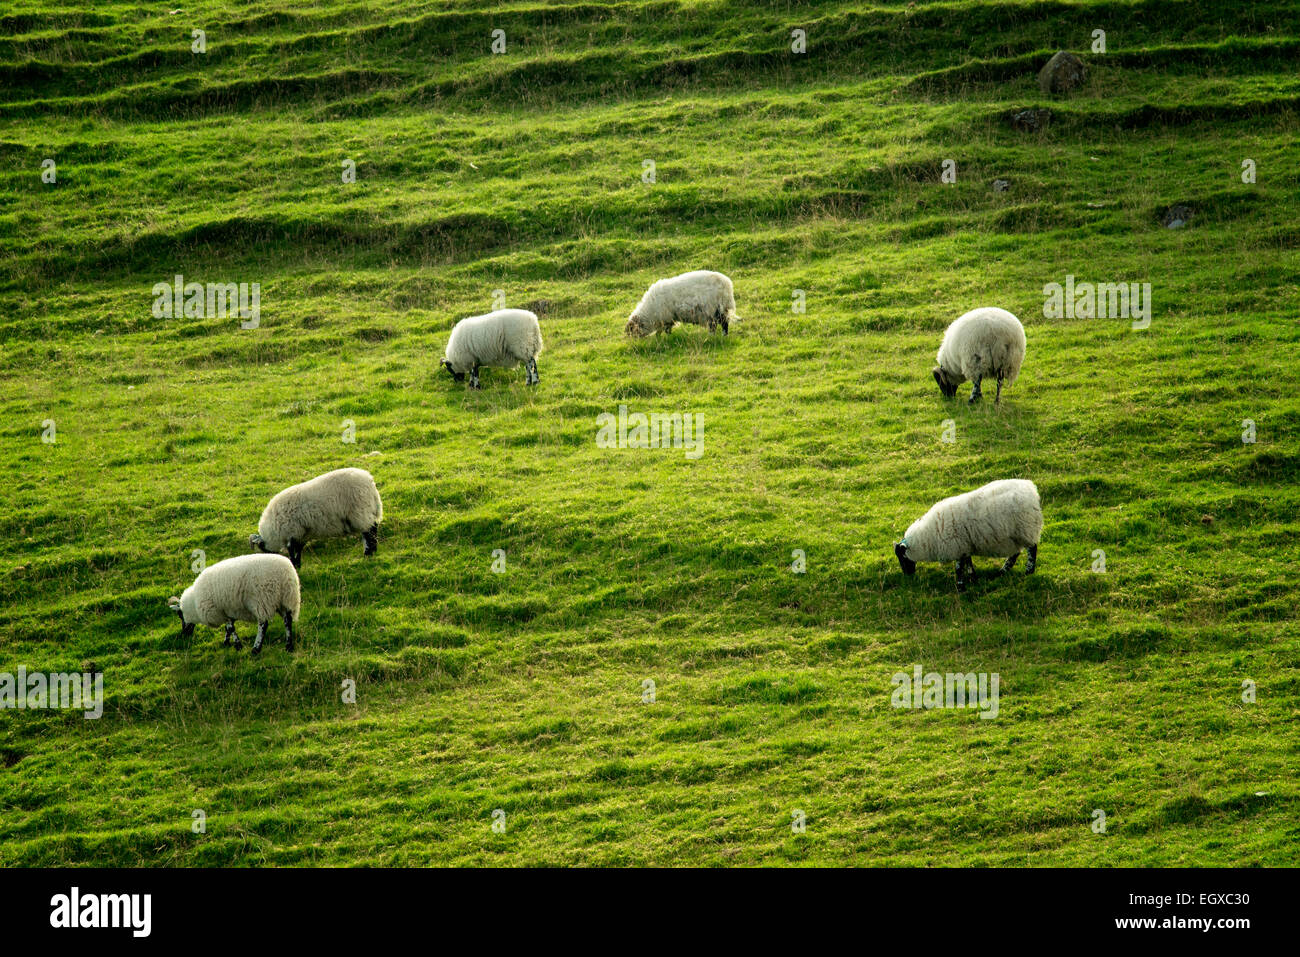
(702, 298)
(245, 588)
(995, 520)
(984, 342)
(500, 339)
(342, 502)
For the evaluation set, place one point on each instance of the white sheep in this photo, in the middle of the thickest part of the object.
(995, 520)
(245, 588)
(702, 298)
(342, 502)
(500, 339)
(984, 342)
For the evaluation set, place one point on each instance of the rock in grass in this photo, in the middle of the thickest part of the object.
(1176, 217)
(1001, 185)
(1063, 73)
(1029, 121)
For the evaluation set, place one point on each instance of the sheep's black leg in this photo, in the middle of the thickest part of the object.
(533, 377)
(473, 377)
(371, 539)
(1032, 562)
(998, 399)
(1009, 564)
(961, 579)
(261, 637)
(295, 552)
(288, 630)
(230, 634)
(726, 326)
(975, 392)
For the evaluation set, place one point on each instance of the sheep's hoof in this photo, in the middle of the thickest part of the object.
(288, 646)
(239, 645)
(257, 650)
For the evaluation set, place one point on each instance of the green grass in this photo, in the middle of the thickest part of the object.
(522, 691)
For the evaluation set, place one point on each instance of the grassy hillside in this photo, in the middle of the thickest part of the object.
(823, 431)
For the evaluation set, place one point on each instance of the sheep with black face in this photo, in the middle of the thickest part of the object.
(500, 339)
(336, 504)
(701, 298)
(245, 588)
(982, 343)
(996, 520)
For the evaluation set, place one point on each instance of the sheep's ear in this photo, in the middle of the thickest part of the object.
(174, 603)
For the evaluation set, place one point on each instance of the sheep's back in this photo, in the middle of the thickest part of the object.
(503, 338)
(691, 297)
(995, 520)
(342, 502)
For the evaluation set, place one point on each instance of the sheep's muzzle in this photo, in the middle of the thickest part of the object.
(906, 564)
(947, 388)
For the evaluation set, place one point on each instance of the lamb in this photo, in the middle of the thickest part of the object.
(245, 588)
(984, 342)
(702, 298)
(342, 502)
(501, 339)
(996, 520)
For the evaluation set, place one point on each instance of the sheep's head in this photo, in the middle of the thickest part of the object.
(946, 385)
(906, 564)
(176, 605)
(458, 376)
(635, 327)
(257, 541)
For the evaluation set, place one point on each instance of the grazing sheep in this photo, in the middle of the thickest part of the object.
(996, 520)
(702, 298)
(342, 502)
(984, 342)
(245, 588)
(500, 339)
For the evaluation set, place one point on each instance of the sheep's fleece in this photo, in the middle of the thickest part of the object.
(342, 502)
(244, 588)
(701, 298)
(995, 520)
(981, 344)
(500, 339)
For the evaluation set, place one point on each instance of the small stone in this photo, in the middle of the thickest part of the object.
(1029, 121)
(539, 306)
(1001, 185)
(1176, 217)
(1207, 519)
(1063, 73)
